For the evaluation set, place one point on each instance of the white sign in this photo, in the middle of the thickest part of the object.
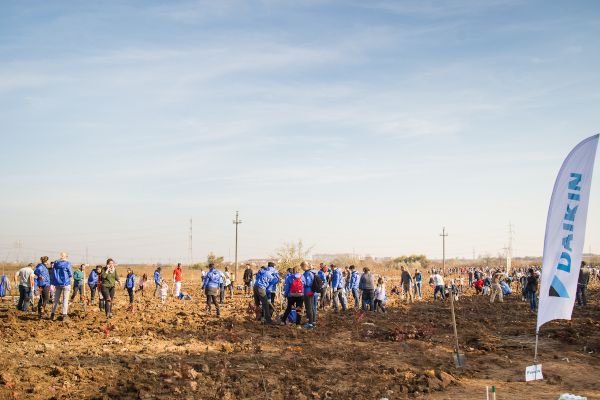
(565, 233)
(533, 373)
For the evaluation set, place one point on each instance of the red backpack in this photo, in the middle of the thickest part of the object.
(297, 289)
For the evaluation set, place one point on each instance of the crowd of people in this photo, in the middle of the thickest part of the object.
(304, 289)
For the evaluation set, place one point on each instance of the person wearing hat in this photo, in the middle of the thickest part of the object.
(157, 280)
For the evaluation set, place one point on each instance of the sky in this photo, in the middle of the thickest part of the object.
(362, 127)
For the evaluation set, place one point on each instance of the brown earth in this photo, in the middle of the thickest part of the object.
(176, 351)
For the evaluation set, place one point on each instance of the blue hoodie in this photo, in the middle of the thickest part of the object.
(274, 279)
(323, 277)
(309, 277)
(337, 279)
(130, 282)
(157, 277)
(93, 278)
(263, 279)
(354, 280)
(213, 279)
(287, 285)
(41, 271)
(61, 273)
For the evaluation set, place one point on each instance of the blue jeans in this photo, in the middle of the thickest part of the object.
(439, 289)
(532, 304)
(356, 298)
(24, 298)
(344, 299)
(315, 302)
(418, 289)
(581, 289)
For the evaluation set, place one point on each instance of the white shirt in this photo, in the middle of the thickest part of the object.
(438, 280)
(380, 292)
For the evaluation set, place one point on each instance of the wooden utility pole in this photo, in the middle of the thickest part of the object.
(236, 222)
(444, 234)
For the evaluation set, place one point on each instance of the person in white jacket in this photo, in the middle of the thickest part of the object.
(380, 295)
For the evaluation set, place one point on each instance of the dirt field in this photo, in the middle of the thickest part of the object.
(176, 351)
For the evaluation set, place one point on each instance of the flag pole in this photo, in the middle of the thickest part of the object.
(537, 333)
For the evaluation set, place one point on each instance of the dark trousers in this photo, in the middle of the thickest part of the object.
(294, 301)
(44, 297)
(93, 291)
(213, 299)
(368, 295)
(439, 289)
(130, 291)
(78, 288)
(246, 288)
(379, 304)
(581, 294)
(260, 297)
(24, 298)
(309, 306)
(108, 294)
(356, 298)
(222, 294)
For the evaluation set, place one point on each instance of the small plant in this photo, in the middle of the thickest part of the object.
(106, 329)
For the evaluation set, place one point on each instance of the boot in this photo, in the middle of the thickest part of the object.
(218, 312)
(208, 310)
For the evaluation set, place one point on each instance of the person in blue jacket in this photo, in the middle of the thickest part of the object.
(323, 274)
(272, 289)
(293, 299)
(157, 280)
(354, 280)
(130, 284)
(263, 281)
(337, 287)
(211, 285)
(43, 283)
(93, 282)
(309, 295)
(61, 280)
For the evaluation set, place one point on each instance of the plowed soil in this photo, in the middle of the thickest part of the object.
(177, 351)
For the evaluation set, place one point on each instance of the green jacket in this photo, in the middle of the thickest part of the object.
(108, 280)
(78, 277)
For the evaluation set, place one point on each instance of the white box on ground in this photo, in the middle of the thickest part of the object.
(533, 373)
(568, 396)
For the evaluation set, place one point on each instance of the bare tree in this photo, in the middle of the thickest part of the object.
(290, 254)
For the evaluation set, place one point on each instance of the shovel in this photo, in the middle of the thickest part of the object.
(459, 359)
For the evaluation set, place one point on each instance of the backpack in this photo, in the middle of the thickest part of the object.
(317, 284)
(296, 288)
(2, 288)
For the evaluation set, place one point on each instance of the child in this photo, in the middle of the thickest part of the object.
(164, 289)
(142, 284)
(380, 295)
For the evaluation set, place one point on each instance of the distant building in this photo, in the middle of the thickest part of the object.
(331, 257)
(381, 259)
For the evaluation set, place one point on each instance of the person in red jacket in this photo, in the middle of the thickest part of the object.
(479, 286)
(177, 279)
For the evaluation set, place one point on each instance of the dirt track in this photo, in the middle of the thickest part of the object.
(177, 351)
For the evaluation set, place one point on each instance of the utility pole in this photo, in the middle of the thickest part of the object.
(473, 254)
(17, 251)
(509, 256)
(443, 235)
(236, 222)
(86, 255)
(190, 256)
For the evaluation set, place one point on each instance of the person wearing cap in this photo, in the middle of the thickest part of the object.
(43, 284)
(157, 280)
(24, 280)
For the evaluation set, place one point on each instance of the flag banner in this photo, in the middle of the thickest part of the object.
(565, 233)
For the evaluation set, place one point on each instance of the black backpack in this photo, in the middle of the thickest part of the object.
(317, 284)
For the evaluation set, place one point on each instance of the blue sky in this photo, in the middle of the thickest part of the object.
(351, 125)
